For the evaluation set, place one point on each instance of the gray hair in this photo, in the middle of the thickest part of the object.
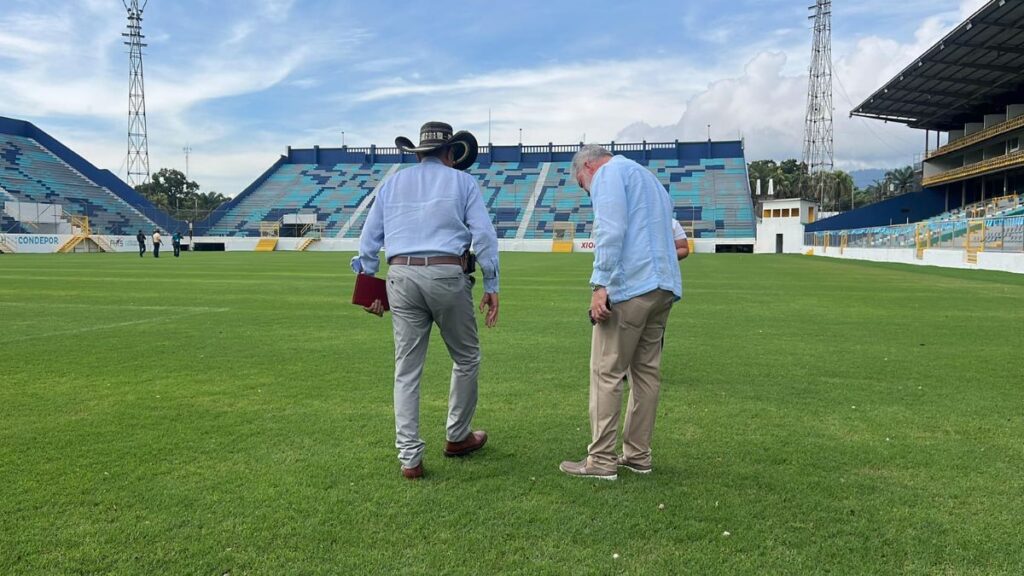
(587, 153)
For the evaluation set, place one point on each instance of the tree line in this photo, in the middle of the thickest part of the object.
(834, 190)
(170, 191)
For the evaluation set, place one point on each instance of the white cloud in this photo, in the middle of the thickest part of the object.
(969, 7)
(68, 68)
(558, 103)
(767, 105)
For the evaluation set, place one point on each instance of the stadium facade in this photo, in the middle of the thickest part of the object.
(317, 198)
(967, 94)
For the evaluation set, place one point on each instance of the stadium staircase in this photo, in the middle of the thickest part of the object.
(974, 241)
(266, 245)
(82, 233)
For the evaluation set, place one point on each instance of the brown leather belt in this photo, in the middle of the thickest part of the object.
(424, 261)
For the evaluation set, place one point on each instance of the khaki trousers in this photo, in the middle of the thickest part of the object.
(627, 343)
(420, 297)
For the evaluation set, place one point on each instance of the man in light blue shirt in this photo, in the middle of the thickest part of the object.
(635, 282)
(426, 217)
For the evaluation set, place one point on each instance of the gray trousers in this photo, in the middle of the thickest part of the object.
(421, 296)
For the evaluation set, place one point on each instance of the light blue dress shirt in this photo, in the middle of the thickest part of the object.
(634, 248)
(429, 210)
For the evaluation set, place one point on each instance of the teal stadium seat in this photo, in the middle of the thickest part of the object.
(30, 173)
(331, 192)
(711, 197)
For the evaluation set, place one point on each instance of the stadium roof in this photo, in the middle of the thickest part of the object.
(977, 69)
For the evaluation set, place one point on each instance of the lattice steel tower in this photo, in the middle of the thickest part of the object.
(138, 145)
(818, 153)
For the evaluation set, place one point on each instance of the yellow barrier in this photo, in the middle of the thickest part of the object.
(561, 246)
(266, 245)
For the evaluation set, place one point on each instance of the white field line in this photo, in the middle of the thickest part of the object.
(115, 306)
(106, 326)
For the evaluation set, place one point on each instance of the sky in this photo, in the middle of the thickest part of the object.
(238, 81)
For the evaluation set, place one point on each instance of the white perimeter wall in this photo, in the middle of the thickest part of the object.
(792, 235)
(1000, 261)
(49, 243)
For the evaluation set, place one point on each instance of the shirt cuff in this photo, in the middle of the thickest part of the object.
(491, 285)
(600, 278)
(369, 269)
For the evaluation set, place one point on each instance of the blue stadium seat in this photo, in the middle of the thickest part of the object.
(30, 173)
(711, 197)
(331, 192)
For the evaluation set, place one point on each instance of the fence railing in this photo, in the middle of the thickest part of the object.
(999, 234)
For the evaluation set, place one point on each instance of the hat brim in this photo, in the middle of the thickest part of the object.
(461, 139)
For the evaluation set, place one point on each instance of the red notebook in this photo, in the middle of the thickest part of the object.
(368, 289)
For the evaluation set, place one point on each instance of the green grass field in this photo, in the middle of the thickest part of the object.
(231, 413)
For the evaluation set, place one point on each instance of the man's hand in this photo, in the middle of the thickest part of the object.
(599, 311)
(490, 300)
(377, 308)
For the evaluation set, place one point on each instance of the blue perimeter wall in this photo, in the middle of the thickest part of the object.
(685, 152)
(104, 178)
(910, 207)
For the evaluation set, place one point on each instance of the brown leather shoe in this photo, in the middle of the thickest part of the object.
(413, 473)
(472, 443)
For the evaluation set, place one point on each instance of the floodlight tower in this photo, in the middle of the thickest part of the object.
(818, 140)
(138, 145)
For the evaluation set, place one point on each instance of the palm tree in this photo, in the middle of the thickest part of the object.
(901, 179)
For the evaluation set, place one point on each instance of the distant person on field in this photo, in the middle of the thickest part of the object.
(682, 245)
(141, 238)
(426, 217)
(635, 282)
(156, 243)
(176, 243)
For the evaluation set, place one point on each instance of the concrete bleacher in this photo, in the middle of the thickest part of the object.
(707, 182)
(713, 195)
(333, 192)
(561, 200)
(31, 173)
(507, 188)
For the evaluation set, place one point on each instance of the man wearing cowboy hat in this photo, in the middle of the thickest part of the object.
(426, 217)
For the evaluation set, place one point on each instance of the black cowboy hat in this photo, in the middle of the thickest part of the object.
(433, 135)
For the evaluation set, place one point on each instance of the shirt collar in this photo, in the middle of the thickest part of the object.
(432, 160)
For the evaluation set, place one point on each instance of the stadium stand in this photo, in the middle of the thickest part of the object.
(35, 168)
(996, 224)
(966, 87)
(507, 188)
(528, 190)
(334, 191)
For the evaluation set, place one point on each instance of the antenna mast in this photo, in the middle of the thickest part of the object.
(138, 145)
(818, 139)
